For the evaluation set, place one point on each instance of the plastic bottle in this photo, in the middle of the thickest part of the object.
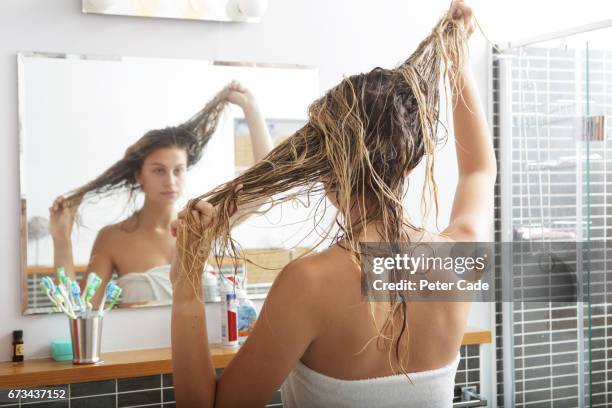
(211, 291)
(247, 315)
(229, 314)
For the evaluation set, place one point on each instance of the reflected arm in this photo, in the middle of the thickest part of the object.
(62, 256)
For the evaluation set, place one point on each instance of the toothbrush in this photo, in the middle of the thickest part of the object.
(93, 282)
(47, 289)
(68, 286)
(66, 297)
(114, 296)
(57, 294)
(76, 294)
(108, 294)
(61, 275)
(89, 294)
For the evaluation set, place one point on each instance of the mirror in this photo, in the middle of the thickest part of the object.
(79, 113)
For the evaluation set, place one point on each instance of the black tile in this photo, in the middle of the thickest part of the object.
(102, 401)
(169, 405)
(564, 369)
(48, 404)
(473, 363)
(138, 398)
(6, 400)
(536, 384)
(565, 358)
(460, 377)
(168, 394)
(569, 403)
(564, 381)
(539, 404)
(167, 380)
(92, 388)
(473, 376)
(139, 383)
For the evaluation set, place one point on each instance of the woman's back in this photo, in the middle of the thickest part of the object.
(347, 349)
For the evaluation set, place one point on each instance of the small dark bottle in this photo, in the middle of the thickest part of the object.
(18, 347)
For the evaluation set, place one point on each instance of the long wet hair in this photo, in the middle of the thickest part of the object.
(361, 139)
(192, 136)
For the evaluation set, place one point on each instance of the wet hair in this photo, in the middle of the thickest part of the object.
(192, 136)
(362, 137)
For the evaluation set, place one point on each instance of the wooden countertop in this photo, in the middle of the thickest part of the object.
(124, 364)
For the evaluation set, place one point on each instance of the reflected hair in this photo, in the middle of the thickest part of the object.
(192, 136)
(362, 137)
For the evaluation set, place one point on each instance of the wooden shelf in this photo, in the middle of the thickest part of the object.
(476, 336)
(125, 364)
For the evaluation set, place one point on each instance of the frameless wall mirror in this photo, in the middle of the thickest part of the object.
(246, 11)
(79, 113)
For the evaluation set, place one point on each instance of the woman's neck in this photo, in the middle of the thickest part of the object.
(155, 216)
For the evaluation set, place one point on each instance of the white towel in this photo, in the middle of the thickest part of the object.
(152, 286)
(149, 286)
(306, 388)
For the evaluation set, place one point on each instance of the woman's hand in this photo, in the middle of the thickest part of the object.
(61, 219)
(204, 214)
(460, 10)
(203, 211)
(239, 95)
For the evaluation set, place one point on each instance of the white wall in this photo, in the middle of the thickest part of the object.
(339, 36)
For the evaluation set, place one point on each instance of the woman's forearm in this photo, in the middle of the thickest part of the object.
(260, 137)
(62, 256)
(475, 153)
(193, 371)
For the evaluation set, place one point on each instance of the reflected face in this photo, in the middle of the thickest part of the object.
(163, 173)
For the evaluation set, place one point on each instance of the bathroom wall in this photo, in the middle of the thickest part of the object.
(339, 36)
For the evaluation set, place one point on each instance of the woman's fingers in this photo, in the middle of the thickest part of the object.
(459, 10)
(174, 226)
(201, 211)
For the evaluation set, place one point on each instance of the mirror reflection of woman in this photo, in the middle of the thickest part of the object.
(140, 248)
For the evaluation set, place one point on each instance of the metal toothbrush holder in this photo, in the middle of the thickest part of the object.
(86, 335)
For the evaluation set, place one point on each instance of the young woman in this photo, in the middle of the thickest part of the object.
(314, 336)
(140, 247)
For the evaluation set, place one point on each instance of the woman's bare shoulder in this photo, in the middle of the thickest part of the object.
(326, 272)
(113, 235)
(122, 227)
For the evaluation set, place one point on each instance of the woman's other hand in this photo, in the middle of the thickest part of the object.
(239, 95)
(460, 10)
(61, 219)
(203, 212)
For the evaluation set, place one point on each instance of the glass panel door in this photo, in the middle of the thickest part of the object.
(550, 105)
